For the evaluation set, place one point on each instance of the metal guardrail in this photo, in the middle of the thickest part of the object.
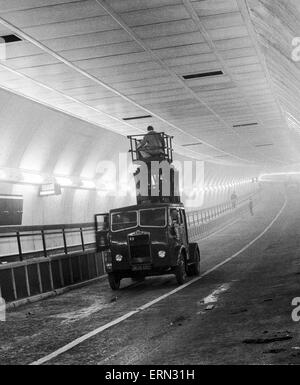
(198, 217)
(196, 222)
(201, 222)
(19, 233)
(206, 215)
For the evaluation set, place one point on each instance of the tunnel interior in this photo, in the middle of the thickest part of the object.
(220, 80)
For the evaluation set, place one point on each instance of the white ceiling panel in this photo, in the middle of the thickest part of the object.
(105, 61)
(59, 13)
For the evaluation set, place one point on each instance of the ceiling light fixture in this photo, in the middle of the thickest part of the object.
(89, 184)
(32, 178)
(64, 181)
(2, 175)
(49, 189)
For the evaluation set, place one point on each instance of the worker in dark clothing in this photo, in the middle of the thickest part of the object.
(174, 216)
(234, 200)
(251, 206)
(152, 145)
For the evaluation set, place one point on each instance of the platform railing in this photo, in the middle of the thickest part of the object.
(135, 143)
(25, 242)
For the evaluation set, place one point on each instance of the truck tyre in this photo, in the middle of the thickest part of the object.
(180, 271)
(114, 281)
(194, 269)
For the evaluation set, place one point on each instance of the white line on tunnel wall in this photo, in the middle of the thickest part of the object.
(99, 330)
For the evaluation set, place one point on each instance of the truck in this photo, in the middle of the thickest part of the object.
(150, 238)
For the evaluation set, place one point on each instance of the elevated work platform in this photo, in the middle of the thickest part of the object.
(157, 180)
(151, 153)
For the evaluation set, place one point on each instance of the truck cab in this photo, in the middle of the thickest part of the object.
(146, 240)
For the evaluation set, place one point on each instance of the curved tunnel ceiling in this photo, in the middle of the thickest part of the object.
(36, 138)
(103, 61)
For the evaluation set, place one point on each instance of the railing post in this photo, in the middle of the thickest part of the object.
(44, 243)
(82, 239)
(65, 241)
(19, 246)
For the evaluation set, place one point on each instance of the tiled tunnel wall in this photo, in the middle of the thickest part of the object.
(75, 206)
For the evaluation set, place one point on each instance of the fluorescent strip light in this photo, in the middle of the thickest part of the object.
(32, 178)
(88, 184)
(280, 174)
(63, 181)
(45, 193)
(6, 196)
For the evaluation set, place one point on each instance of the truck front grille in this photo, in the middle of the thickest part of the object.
(139, 248)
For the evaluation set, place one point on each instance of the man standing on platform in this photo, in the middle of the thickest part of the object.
(152, 146)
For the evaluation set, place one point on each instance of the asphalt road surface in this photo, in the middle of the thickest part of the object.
(237, 312)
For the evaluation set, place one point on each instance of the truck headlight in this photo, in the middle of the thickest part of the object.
(161, 253)
(119, 258)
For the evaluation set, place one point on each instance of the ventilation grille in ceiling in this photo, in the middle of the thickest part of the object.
(203, 75)
(264, 145)
(10, 38)
(245, 125)
(191, 144)
(138, 117)
(222, 156)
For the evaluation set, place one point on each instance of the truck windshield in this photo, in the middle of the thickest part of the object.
(153, 217)
(124, 220)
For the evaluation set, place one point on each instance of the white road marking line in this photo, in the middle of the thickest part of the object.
(214, 296)
(93, 333)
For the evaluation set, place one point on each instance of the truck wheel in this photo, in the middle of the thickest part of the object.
(194, 269)
(114, 281)
(180, 271)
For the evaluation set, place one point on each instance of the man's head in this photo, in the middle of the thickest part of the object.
(150, 128)
(174, 214)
